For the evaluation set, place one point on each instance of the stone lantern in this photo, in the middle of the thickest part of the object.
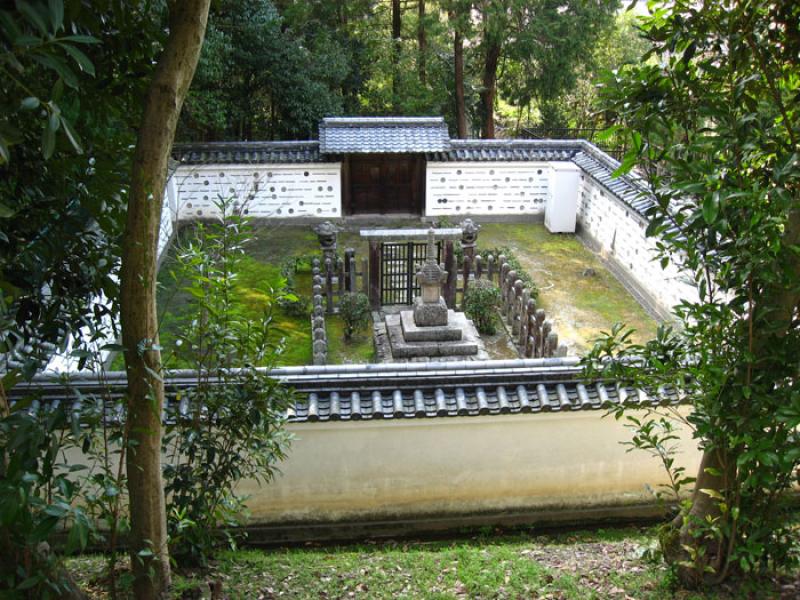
(326, 235)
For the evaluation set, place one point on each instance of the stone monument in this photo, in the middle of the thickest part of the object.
(430, 309)
(430, 330)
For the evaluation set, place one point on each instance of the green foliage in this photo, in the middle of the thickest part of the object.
(293, 303)
(712, 124)
(481, 303)
(228, 427)
(355, 313)
(552, 42)
(38, 491)
(511, 259)
(263, 74)
(63, 168)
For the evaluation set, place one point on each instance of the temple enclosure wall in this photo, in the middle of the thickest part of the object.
(435, 469)
(617, 232)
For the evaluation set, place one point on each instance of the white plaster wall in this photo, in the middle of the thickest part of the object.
(262, 191)
(169, 214)
(620, 233)
(415, 467)
(486, 188)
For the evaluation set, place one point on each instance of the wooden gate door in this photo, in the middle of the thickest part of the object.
(400, 262)
(384, 184)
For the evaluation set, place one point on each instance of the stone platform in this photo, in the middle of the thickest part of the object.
(438, 333)
(425, 344)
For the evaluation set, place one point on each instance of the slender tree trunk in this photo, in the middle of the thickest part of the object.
(165, 96)
(396, 33)
(458, 62)
(422, 42)
(489, 88)
(715, 474)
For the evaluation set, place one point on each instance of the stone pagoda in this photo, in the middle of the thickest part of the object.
(430, 330)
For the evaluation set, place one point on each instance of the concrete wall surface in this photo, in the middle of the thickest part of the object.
(460, 466)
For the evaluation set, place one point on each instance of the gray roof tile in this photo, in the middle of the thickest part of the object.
(464, 391)
(507, 150)
(248, 153)
(348, 135)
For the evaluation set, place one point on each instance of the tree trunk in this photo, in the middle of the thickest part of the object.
(458, 61)
(165, 96)
(396, 33)
(489, 87)
(421, 42)
(685, 529)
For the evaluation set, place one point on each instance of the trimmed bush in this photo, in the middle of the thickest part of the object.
(354, 311)
(480, 305)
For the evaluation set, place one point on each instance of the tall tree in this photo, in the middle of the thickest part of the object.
(397, 48)
(165, 96)
(714, 127)
(546, 40)
(421, 41)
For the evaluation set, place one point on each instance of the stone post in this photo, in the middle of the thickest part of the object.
(374, 275)
(478, 266)
(350, 270)
(465, 274)
(508, 298)
(365, 276)
(516, 306)
(531, 328)
(449, 291)
(329, 285)
(490, 268)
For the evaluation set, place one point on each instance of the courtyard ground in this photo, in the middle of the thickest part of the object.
(581, 297)
(607, 564)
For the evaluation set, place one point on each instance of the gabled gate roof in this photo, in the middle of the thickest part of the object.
(371, 135)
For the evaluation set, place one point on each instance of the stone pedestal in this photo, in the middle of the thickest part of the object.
(430, 314)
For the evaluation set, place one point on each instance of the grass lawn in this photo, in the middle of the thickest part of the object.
(597, 564)
(580, 306)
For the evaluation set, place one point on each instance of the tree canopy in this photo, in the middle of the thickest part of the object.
(272, 69)
(711, 117)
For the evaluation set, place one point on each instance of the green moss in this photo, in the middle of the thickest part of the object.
(580, 304)
(359, 349)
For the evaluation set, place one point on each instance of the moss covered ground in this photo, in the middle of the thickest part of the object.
(580, 295)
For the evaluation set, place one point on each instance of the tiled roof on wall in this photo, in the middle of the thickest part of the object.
(389, 391)
(247, 153)
(507, 150)
(628, 188)
(348, 135)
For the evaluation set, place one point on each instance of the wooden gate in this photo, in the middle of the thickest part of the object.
(400, 262)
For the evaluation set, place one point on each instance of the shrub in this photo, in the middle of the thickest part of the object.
(355, 313)
(481, 305)
(231, 426)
